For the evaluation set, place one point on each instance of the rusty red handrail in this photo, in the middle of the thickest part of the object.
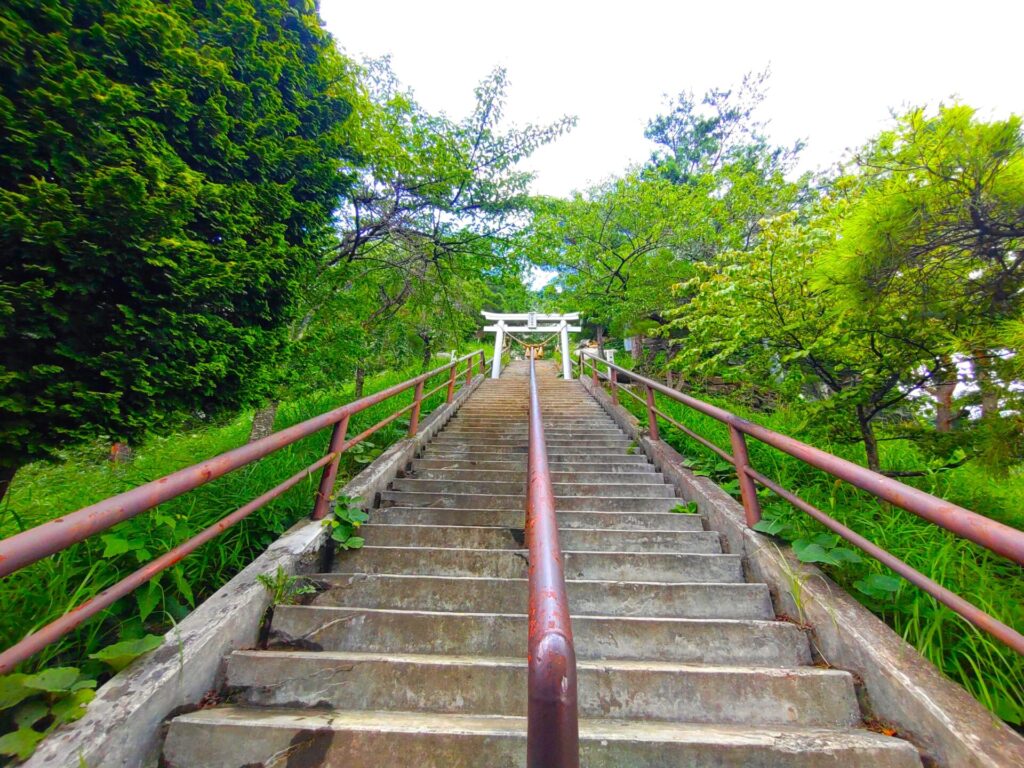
(552, 731)
(994, 536)
(43, 540)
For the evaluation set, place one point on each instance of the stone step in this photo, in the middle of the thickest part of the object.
(655, 487)
(562, 503)
(468, 685)
(492, 595)
(673, 567)
(508, 448)
(691, 641)
(228, 737)
(519, 476)
(487, 441)
(626, 463)
(510, 453)
(509, 518)
(601, 427)
(512, 537)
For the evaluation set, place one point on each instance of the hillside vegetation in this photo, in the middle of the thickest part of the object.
(213, 219)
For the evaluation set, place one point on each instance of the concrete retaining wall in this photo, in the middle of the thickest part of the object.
(123, 725)
(900, 687)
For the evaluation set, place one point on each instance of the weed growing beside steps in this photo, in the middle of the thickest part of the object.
(991, 672)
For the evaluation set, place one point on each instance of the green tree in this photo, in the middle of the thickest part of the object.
(166, 170)
(939, 228)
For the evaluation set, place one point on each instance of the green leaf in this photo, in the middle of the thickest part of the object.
(878, 586)
(120, 655)
(71, 708)
(353, 542)
(20, 743)
(30, 713)
(809, 552)
(148, 598)
(115, 545)
(770, 526)
(56, 680)
(13, 690)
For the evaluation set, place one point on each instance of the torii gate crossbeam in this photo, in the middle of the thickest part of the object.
(531, 322)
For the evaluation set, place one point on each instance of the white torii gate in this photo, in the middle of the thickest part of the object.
(531, 322)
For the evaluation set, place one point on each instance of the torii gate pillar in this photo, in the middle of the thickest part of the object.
(532, 322)
(499, 345)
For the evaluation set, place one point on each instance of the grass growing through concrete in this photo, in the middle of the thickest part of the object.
(993, 673)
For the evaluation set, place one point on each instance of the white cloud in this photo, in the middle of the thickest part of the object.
(838, 68)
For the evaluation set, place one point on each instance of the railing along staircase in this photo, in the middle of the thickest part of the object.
(447, 639)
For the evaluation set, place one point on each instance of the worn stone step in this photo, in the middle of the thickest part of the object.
(591, 597)
(562, 503)
(554, 449)
(512, 537)
(509, 518)
(229, 737)
(627, 463)
(488, 441)
(671, 567)
(476, 685)
(497, 487)
(693, 641)
(510, 453)
(519, 476)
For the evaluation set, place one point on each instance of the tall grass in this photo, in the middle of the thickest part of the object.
(993, 673)
(34, 596)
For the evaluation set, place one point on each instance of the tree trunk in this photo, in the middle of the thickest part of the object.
(943, 394)
(360, 380)
(983, 375)
(6, 478)
(867, 433)
(599, 333)
(638, 347)
(427, 351)
(263, 422)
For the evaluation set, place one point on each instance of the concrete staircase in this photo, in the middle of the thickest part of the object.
(414, 652)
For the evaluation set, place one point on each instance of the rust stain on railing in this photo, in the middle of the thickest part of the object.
(552, 736)
(990, 534)
(51, 537)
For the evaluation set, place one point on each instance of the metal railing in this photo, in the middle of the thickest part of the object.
(552, 731)
(994, 536)
(53, 536)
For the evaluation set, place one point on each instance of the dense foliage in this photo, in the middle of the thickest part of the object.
(166, 171)
(874, 312)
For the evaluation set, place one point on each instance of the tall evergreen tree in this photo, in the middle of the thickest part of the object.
(166, 170)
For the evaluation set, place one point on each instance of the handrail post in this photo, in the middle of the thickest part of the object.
(451, 383)
(323, 495)
(593, 372)
(748, 491)
(469, 369)
(414, 419)
(614, 379)
(552, 726)
(652, 417)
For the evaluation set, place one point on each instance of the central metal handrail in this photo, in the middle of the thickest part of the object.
(552, 732)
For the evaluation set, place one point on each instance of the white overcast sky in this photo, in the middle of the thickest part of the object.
(837, 68)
